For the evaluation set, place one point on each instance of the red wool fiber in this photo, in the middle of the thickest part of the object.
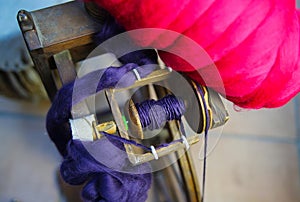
(253, 43)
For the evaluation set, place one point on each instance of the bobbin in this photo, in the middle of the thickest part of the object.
(135, 131)
(202, 97)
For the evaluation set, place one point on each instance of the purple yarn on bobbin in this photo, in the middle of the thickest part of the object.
(155, 113)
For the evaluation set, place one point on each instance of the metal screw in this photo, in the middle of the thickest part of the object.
(24, 20)
(22, 16)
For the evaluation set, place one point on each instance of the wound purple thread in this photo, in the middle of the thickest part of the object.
(155, 113)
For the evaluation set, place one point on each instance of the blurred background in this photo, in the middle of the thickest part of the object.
(255, 159)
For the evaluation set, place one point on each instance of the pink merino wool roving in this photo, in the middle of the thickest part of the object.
(253, 43)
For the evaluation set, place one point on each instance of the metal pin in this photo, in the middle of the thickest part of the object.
(137, 75)
(22, 17)
(170, 69)
(154, 152)
(185, 142)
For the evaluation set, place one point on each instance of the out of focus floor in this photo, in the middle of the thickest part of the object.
(28, 161)
(255, 158)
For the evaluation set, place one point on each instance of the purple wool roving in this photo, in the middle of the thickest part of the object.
(78, 167)
(102, 183)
